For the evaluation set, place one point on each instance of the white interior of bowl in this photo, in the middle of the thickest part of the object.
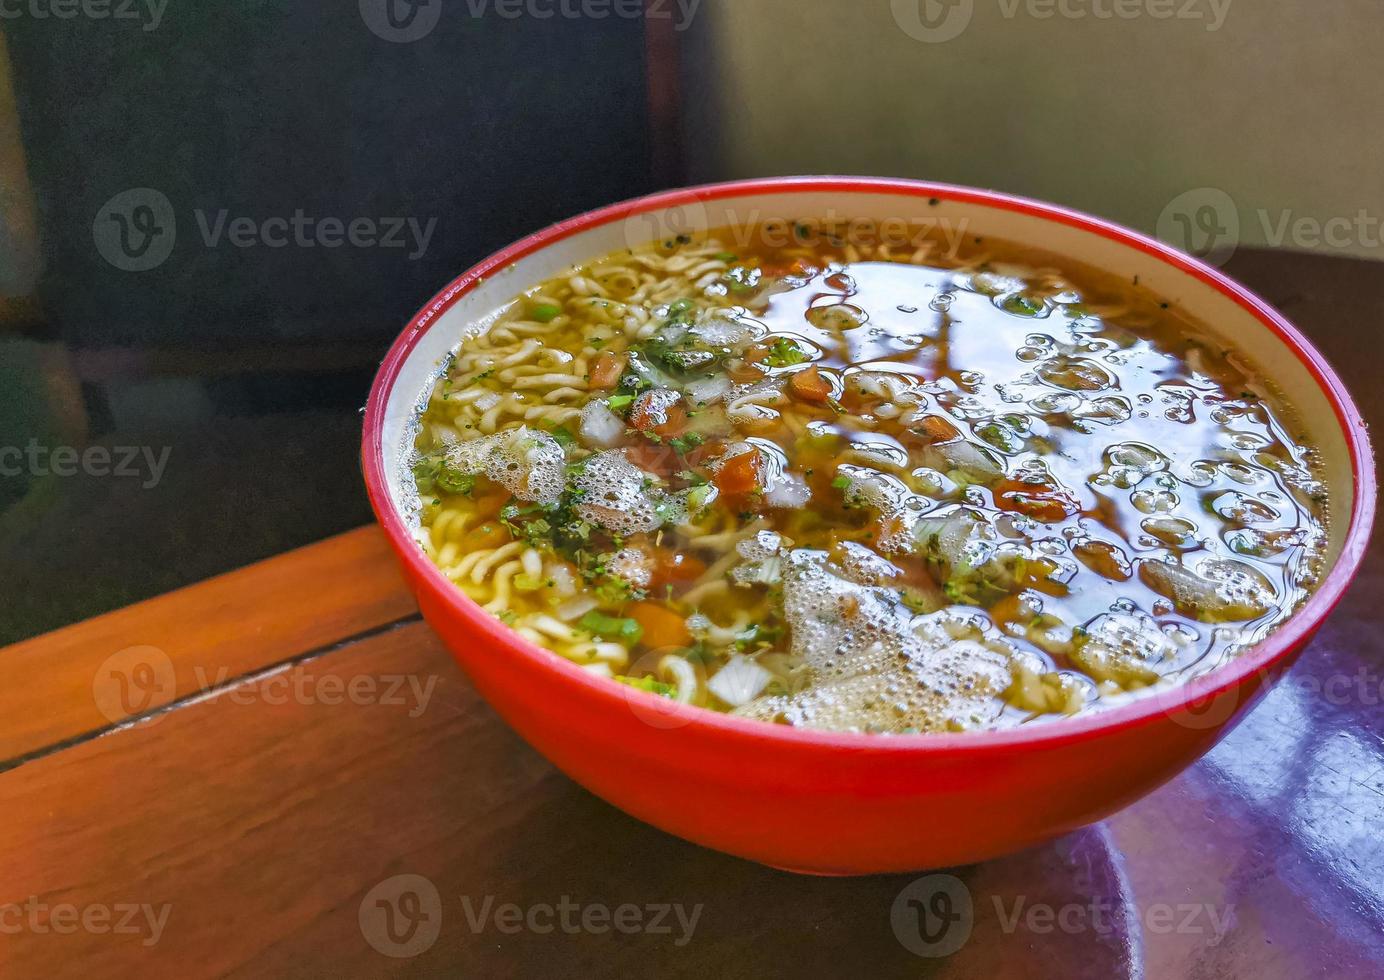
(1229, 321)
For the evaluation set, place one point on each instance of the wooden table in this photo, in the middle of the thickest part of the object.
(281, 772)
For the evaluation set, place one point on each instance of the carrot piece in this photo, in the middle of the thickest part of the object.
(739, 475)
(1006, 610)
(491, 534)
(935, 429)
(1104, 559)
(606, 369)
(1039, 501)
(671, 567)
(755, 353)
(662, 627)
(810, 386)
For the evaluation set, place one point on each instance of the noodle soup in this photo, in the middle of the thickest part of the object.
(823, 481)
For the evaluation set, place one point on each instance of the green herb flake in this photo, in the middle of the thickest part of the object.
(649, 684)
(625, 631)
(685, 443)
(785, 353)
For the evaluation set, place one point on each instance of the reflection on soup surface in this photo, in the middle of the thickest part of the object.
(835, 484)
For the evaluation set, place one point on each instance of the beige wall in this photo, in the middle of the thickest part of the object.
(1281, 107)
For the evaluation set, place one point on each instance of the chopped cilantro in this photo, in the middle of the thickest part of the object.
(562, 436)
(649, 684)
(433, 472)
(742, 279)
(611, 627)
(785, 353)
(1022, 305)
(686, 442)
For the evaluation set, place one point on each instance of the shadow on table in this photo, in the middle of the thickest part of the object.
(1062, 903)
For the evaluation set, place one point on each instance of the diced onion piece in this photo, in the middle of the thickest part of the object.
(739, 682)
(575, 608)
(789, 491)
(560, 574)
(600, 427)
(707, 391)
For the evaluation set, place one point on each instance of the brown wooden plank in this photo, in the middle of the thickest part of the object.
(95, 674)
(263, 825)
(270, 828)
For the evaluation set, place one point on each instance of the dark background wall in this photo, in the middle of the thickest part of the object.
(244, 368)
(489, 127)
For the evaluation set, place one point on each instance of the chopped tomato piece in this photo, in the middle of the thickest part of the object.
(1042, 502)
(662, 627)
(653, 458)
(659, 411)
(810, 386)
(606, 369)
(740, 474)
(798, 268)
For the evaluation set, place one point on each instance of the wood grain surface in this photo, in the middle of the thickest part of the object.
(83, 679)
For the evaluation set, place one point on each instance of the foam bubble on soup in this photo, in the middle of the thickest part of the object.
(834, 485)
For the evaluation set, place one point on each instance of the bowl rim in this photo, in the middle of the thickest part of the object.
(1208, 688)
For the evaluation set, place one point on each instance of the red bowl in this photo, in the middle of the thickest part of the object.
(841, 803)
